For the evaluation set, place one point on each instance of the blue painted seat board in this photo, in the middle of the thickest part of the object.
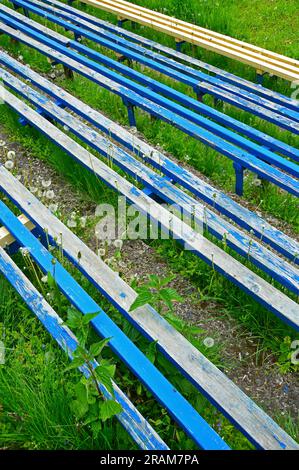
(239, 156)
(134, 423)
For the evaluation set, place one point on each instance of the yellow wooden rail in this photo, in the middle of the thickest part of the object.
(261, 59)
(6, 238)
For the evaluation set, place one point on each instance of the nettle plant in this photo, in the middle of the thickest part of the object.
(157, 293)
(88, 401)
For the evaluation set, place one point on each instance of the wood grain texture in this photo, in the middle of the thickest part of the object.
(161, 107)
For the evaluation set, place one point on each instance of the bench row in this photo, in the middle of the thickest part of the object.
(136, 95)
(261, 59)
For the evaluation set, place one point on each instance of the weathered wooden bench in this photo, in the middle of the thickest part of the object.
(181, 411)
(261, 59)
(283, 115)
(245, 414)
(137, 95)
(261, 290)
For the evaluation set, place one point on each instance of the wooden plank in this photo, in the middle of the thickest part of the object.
(179, 408)
(244, 217)
(134, 423)
(224, 75)
(173, 69)
(285, 273)
(249, 418)
(262, 291)
(66, 56)
(6, 238)
(258, 61)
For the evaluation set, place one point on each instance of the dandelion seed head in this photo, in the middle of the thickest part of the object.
(9, 164)
(46, 183)
(50, 194)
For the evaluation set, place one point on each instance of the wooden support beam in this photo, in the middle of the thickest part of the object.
(6, 238)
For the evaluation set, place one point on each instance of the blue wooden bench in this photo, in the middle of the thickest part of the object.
(181, 411)
(261, 290)
(242, 159)
(245, 414)
(201, 83)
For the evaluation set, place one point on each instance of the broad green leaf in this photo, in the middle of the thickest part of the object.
(108, 409)
(96, 348)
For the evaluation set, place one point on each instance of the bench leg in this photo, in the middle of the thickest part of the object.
(260, 77)
(68, 72)
(199, 95)
(77, 37)
(178, 45)
(131, 113)
(239, 171)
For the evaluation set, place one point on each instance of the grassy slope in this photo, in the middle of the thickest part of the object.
(258, 25)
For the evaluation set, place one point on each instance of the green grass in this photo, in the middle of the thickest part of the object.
(34, 365)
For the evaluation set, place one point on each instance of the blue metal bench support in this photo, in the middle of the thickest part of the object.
(131, 113)
(178, 45)
(239, 171)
